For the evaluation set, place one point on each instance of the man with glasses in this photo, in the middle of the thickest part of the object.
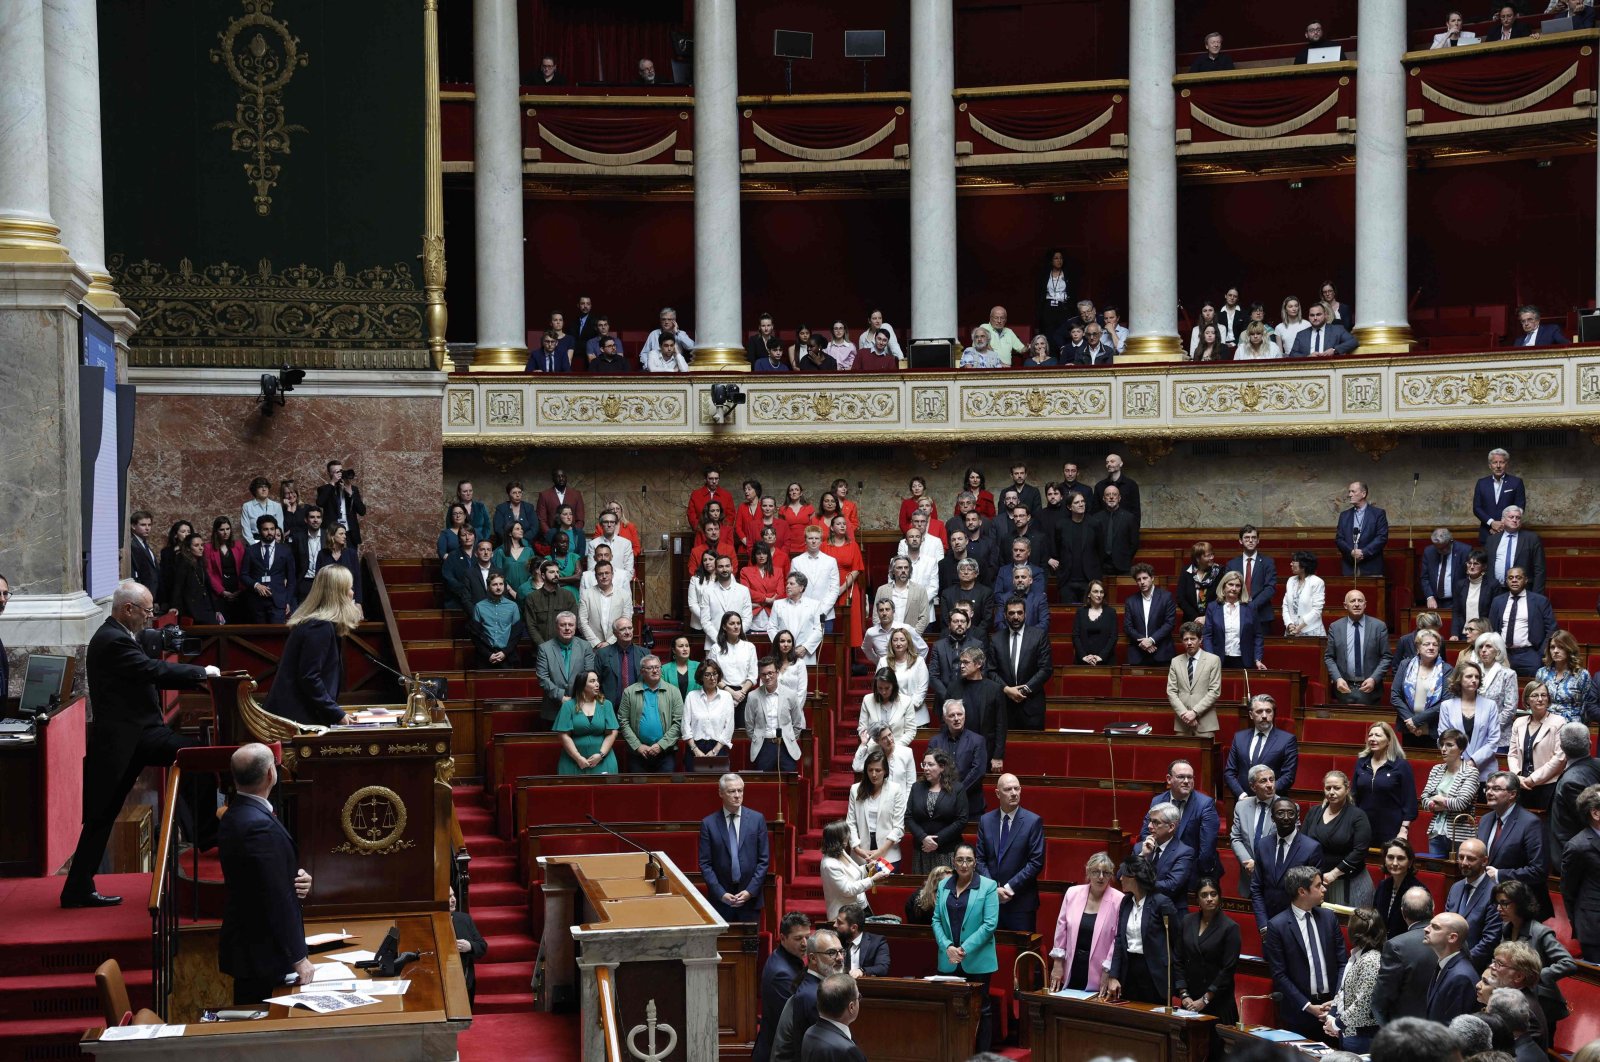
(824, 956)
(129, 733)
(1514, 837)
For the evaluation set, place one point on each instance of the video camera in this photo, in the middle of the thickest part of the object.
(159, 641)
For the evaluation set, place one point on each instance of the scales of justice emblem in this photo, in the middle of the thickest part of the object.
(373, 819)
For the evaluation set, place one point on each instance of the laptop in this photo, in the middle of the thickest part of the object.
(1331, 53)
(1556, 25)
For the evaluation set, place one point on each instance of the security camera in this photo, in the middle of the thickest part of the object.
(724, 397)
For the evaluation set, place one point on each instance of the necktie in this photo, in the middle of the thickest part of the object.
(1357, 671)
(1005, 831)
(1498, 483)
(549, 363)
(627, 671)
(1439, 585)
(1255, 749)
(1314, 954)
(1249, 571)
(1016, 655)
(1511, 622)
(1283, 854)
(268, 555)
(1494, 834)
(1261, 818)
(1358, 524)
(1191, 671)
(733, 849)
(1507, 553)
(1316, 342)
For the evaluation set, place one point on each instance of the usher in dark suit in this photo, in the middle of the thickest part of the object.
(262, 935)
(328, 497)
(278, 576)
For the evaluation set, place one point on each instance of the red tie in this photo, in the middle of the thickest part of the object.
(1249, 569)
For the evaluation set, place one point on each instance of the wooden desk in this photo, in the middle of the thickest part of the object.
(41, 793)
(420, 1026)
(1233, 1037)
(1072, 1030)
(905, 1019)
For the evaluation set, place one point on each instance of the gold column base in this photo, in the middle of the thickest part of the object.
(1151, 350)
(1385, 339)
(30, 240)
(720, 359)
(500, 359)
(101, 296)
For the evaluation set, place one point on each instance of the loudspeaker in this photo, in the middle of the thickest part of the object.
(791, 44)
(863, 44)
(933, 354)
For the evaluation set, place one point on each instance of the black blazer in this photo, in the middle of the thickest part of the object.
(145, 565)
(189, 594)
(466, 929)
(1386, 901)
(1404, 974)
(824, 1042)
(986, 711)
(262, 934)
(1117, 539)
(1034, 672)
(1077, 550)
(1095, 637)
(123, 682)
(1206, 964)
(1580, 887)
(949, 816)
(1487, 592)
(279, 577)
(1157, 908)
(354, 509)
(310, 676)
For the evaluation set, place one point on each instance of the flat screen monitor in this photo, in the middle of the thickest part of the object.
(791, 44)
(1329, 54)
(863, 44)
(1589, 326)
(46, 675)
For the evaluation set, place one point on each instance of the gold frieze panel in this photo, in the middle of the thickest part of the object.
(460, 407)
(841, 407)
(1031, 403)
(1492, 388)
(1269, 396)
(612, 408)
(1363, 393)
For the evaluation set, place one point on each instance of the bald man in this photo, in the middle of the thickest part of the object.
(1454, 990)
(1357, 654)
(1011, 853)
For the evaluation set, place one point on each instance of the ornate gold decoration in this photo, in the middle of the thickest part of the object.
(1141, 399)
(1375, 445)
(1152, 449)
(933, 454)
(261, 64)
(1012, 403)
(929, 405)
(339, 750)
(599, 158)
(1267, 396)
(1055, 143)
(1150, 350)
(710, 357)
(460, 411)
(440, 748)
(373, 819)
(611, 407)
(1589, 384)
(416, 746)
(844, 407)
(372, 750)
(1506, 387)
(502, 409)
(1264, 132)
(433, 261)
(504, 458)
(444, 769)
(227, 305)
(1363, 394)
(264, 725)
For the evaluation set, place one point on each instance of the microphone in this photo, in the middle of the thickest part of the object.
(1111, 754)
(1166, 930)
(1276, 997)
(661, 883)
(1416, 479)
(434, 687)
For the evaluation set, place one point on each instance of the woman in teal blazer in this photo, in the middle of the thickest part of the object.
(964, 922)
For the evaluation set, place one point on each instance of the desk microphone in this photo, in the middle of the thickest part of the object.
(661, 883)
(1166, 930)
(434, 687)
(1276, 997)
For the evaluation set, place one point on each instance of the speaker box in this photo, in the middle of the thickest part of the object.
(933, 354)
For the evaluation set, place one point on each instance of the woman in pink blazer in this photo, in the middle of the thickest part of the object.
(224, 564)
(1087, 928)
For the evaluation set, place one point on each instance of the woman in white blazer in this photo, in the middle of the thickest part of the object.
(1303, 596)
(1499, 681)
(876, 812)
(884, 706)
(843, 879)
(910, 671)
(1452, 29)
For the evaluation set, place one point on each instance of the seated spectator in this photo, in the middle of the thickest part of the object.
(1314, 40)
(1097, 351)
(772, 359)
(496, 626)
(1209, 347)
(1453, 34)
(869, 338)
(665, 357)
(1094, 629)
(839, 347)
(1337, 312)
(669, 327)
(1208, 316)
(1116, 335)
(758, 345)
(920, 905)
(547, 77)
(1420, 686)
(1292, 322)
(1003, 342)
(550, 357)
(647, 75)
(802, 343)
(981, 355)
(1039, 353)
(816, 359)
(1534, 333)
(1507, 28)
(587, 724)
(1212, 60)
(879, 355)
(1257, 344)
(608, 359)
(1320, 336)
(1232, 317)
(259, 505)
(594, 346)
(1072, 347)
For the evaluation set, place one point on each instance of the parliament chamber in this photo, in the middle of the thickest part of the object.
(331, 328)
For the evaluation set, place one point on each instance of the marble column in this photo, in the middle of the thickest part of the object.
(1152, 186)
(1380, 287)
(497, 188)
(933, 173)
(718, 289)
(28, 232)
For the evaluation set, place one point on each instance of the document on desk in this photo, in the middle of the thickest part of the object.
(326, 1002)
(946, 978)
(352, 956)
(142, 1032)
(1076, 993)
(331, 971)
(371, 988)
(319, 939)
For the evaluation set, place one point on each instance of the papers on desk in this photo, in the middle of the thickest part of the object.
(1277, 1036)
(352, 956)
(331, 971)
(141, 1032)
(371, 988)
(1179, 1012)
(373, 717)
(316, 940)
(945, 977)
(1076, 993)
(325, 1002)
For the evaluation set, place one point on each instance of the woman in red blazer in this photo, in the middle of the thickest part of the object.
(224, 561)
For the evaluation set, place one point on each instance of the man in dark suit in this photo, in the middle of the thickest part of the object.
(734, 855)
(1444, 562)
(1513, 837)
(1476, 567)
(1020, 660)
(1533, 333)
(1011, 853)
(474, 583)
(1115, 531)
(262, 940)
(551, 499)
(1027, 493)
(985, 704)
(1362, 533)
(143, 563)
(1262, 743)
(1470, 898)
(1494, 492)
(1525, 621)
(1305, 951)
(1323, 337)
(1514, 546)
(585, 323)
(1126, 488)
(865, 954)
(1454, 987)
(1172, 859)
(307, 548)
(944, 654)
(824, 957)
(829, 1039)
(551, 357)
(129, 733)
(1582, 771)
(1269, 894)
(619, 661)
(340, 502)
(1148, 619)
(269, 573)
(1260, 577)
(1197, 823)
(1406, 969)
(967, 751)
(1580, 875)
(1506, 27)
(779, 977)
(1357, 654)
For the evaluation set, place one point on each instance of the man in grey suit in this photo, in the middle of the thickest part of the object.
(1252, 820)
(558, 664)
(1514, 546)
(1408, 964)
(1194, 682)
(1323, 337)
(1357, 654)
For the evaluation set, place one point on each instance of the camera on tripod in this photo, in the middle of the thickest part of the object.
(160, 641)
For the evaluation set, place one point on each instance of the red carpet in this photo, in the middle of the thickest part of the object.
(527, 1036)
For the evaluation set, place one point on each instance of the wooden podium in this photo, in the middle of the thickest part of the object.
(1064, 1029)
(613, 932)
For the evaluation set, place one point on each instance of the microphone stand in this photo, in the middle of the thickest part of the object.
(1411, 511)
(1166, 931)
(661, 883)
(1116, 822)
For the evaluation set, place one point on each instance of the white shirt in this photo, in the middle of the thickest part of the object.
(1286, 333)
(1136, 927)
(1230, 631)
(1145, 601)
(621, 554)
(1311, 939)
(708, 719)
(913, 679)
(716, 600)
(875, 642)
(738, 661)
(655, 361)
(653, 342)
(1517, 636)
(769, 716)
(822, 580)
(903, 768)
(868, 342)
(802, 619)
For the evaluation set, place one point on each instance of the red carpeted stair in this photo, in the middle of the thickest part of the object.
(805, 886)
(500, 909)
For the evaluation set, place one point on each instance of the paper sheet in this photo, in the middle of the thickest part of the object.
(326, 1002)
(331, 971)
(131, 1032)
(327, 938)
(371, 988)
(352, 956)
(169, 1030)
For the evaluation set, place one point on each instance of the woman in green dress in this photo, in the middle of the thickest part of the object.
(587, 724)
(566, 559)
(512, 559)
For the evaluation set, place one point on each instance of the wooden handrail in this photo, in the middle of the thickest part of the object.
(163, 847)
(609, 1031)
(375, 575)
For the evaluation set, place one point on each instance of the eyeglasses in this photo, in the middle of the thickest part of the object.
(965, 861)
(5, 593)
(832, 951)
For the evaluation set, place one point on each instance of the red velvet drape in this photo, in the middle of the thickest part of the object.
(600, 40)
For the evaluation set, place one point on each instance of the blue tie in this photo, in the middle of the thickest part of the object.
(733, 852)
(1005, 831)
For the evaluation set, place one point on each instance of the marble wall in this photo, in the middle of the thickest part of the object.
(195, 455)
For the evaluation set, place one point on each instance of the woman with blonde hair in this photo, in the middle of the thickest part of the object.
(1499, 680)
(919, 907)
(1086, 929)
(1292, 324)
(311, 670)
(1384, 785)
(1534, 753)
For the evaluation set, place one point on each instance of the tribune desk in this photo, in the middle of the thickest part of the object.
(420, 1026)
(1064, 1029)
(908, 1019)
